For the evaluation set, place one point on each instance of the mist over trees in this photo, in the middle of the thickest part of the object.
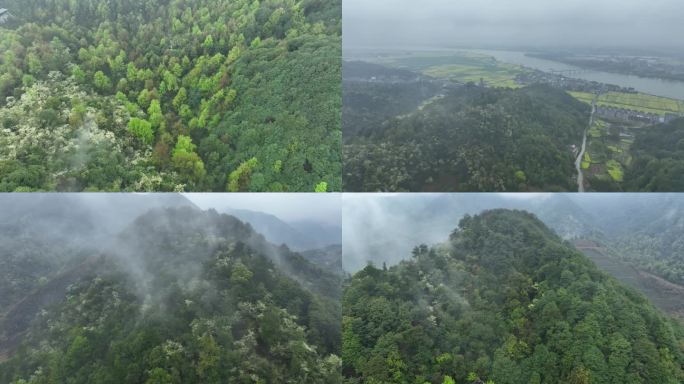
(170, 294)
(644, 230)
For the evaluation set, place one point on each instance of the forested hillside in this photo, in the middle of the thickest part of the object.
(658, 162)
(646, 230)
(179, 296)
(163, 95)
(505, 300)
(468, 138)
(372, 94)
(45, 235)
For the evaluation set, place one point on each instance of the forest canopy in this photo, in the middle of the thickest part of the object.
(191, 95)
(460, 139)
(178, 296)
(658, 159)
(503, 301)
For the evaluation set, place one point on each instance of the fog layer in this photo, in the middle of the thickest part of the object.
(384, 228)
(521, 23)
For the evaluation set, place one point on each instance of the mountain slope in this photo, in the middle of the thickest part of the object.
(44, 235)
(505, 299)
(185, 296)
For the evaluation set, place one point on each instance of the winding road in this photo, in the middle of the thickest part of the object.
(578, 162)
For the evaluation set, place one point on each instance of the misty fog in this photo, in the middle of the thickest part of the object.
(286, 206)
(146, 236)
(513, 24)
(384, 228)
(163, 267)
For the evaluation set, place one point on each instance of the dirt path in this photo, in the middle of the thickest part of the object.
(578, 161)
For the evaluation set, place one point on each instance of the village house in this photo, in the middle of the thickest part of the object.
(624, 114)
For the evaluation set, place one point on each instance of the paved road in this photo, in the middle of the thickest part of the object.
(578, 162)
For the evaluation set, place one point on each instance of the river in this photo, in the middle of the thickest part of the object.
(652, 86)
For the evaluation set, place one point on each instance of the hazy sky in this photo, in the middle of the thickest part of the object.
(410, 23)
(324, 207)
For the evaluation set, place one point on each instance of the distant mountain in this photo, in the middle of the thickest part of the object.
(302, 235)
(646, 230)
(362, 70)
(324, 234)
(328, 258)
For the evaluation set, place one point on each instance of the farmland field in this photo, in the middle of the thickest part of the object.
(463, 67)
(636, 101)
(607, 152)
(493, 76)
(583, 96)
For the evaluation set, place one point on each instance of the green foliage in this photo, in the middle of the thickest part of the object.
(321, 187)
(520, 177)
(142, 129)
(658, 159)
(504, 300)
(276, 99)
(144, 99)
(186, 161)
(101, 82)
(60, 138)
(240, 178)
(155, 115)
(208, 43)
(469, 139)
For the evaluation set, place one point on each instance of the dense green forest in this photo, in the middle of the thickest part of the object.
(658, 159)
(180, 295)
(505, 300)
(164, 95)
(465, 139)
(367, 105)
